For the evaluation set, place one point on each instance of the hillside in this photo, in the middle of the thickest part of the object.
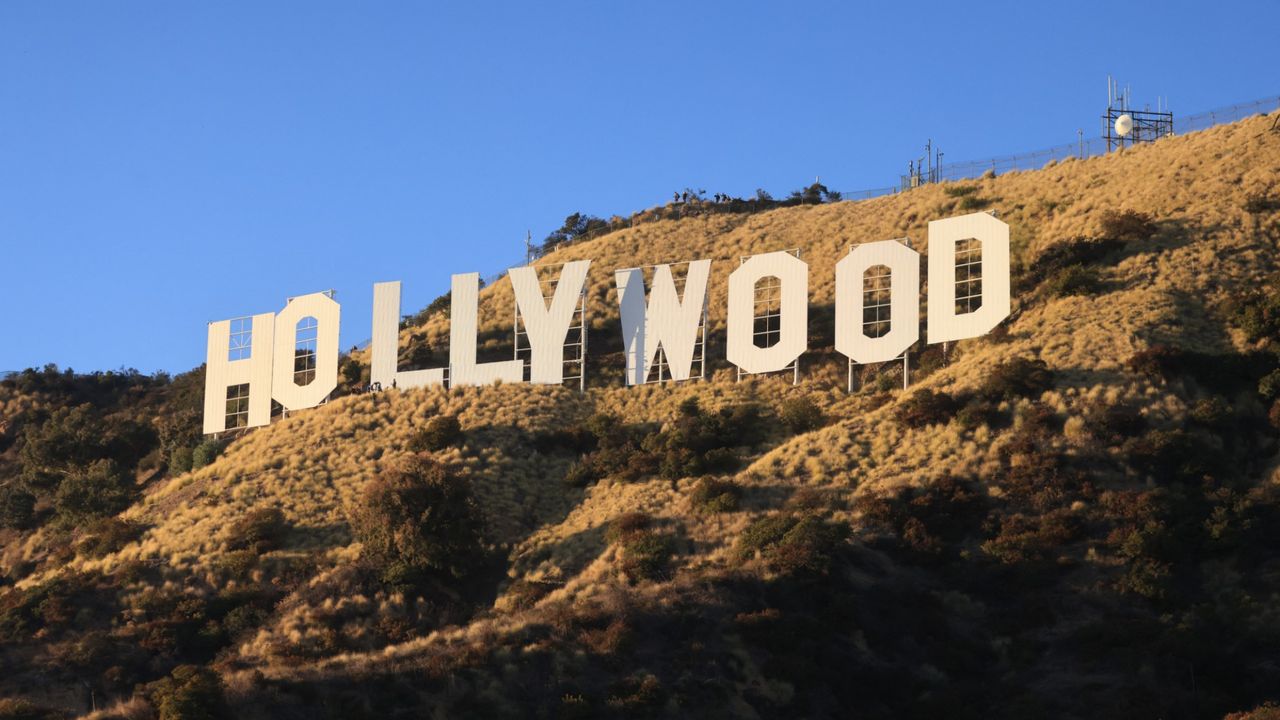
(1075, 516)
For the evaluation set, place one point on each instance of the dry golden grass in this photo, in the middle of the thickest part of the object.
(1171, 287)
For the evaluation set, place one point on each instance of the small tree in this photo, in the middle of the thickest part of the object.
(420, 517)
(98, 490)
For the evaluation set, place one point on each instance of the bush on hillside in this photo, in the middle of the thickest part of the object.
(102, 488)
(1033, 539)
(1269, 386)
(577, 227)
(17, 507)
(70, 437)
(1258, 312)
(1072, 280)
(645, 552)
(792, 542)
(422, 517)
(190, 692)
(929, 521)
(978, 412)
(647, 556)
(107, 535)
(1127, 226)
(22, 709)
(959, 190)
(1019, 377)
(205, 453)
(713, 496)
(926, 407)
(439, 433)
(801, 415)
(1082, 251)
(259, 531)
(180, 460)
(1158, 362)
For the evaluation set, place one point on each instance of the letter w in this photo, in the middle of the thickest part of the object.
(667, 321)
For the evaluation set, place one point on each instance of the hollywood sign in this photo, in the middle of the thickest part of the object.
(291, 357)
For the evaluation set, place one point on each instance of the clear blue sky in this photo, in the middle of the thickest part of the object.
(164, 164)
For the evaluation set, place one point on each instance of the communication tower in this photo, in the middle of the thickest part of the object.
(1122, 125)
(926, 169)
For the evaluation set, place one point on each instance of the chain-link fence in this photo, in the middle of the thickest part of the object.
(1082, 148)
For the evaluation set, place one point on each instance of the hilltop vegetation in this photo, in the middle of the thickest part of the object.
(1074, 516)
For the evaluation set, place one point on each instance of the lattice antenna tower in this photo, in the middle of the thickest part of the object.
(1122, 125)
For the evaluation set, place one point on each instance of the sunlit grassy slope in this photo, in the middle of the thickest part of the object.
(1170, 288)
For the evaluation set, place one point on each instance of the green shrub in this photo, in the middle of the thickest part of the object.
(260, 531)
(959, 190)
(180, 460)
(101, 489)
(1084, 252)
(1269, 386)
(973, 203)
(107, 535)
(713, 496)
(926, 407)
(238, 563)
(440, 432)
(1258, 312)
(1171, 455)
(977, 413)
(646, 555)
(581, 474)
(420, 515)
(1127, 226)
(801, 415)
(1158, 362)
(71, 437)
(1032, 539)
(1072, 280)
(689, 407)
(205, 453)
(1019, 377)
(928, 519)
(808, 546)
(1113, 423)
(792, 543)
(17, 507)
(626, 525)
(764, 532)
(22, 709)
(189, 693)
